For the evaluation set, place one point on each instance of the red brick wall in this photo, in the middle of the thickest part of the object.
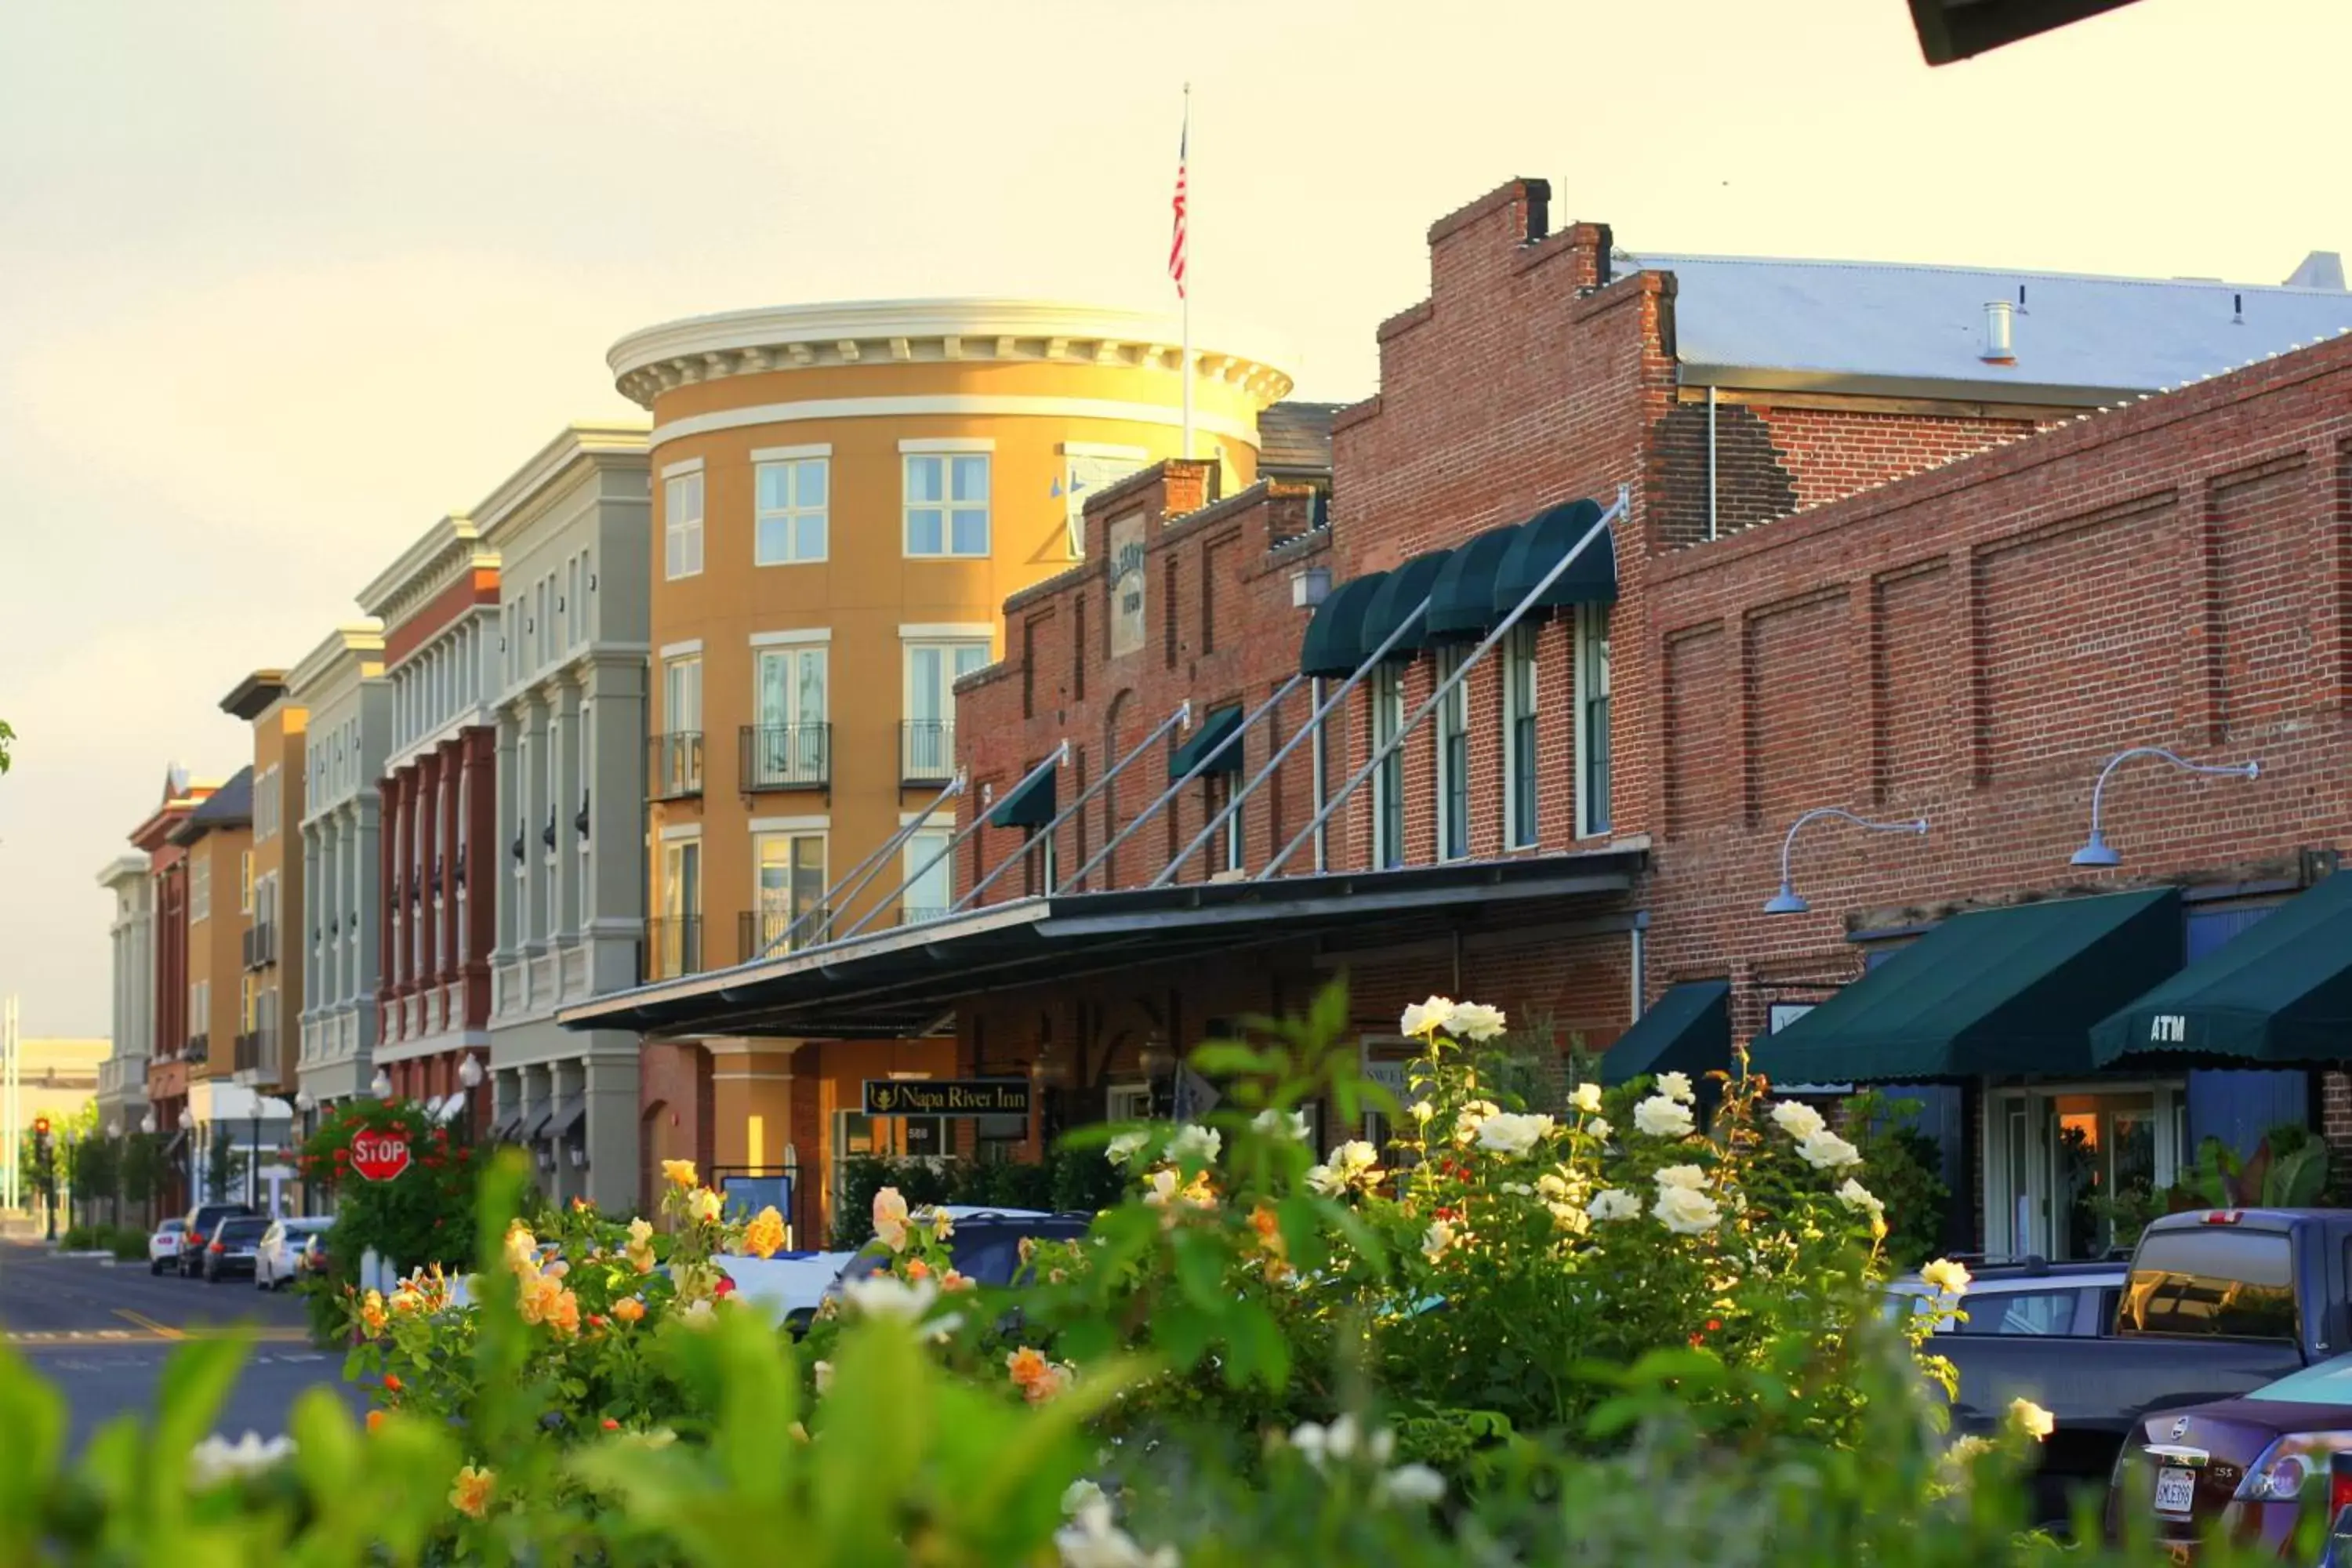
(675, 1091)
(1970, 645)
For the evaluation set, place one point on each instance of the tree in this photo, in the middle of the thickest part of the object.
(141, 1163)
(6, 735)
(224, 1167)
(95, 1170)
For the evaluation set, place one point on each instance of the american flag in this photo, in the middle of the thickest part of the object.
(1176, 239)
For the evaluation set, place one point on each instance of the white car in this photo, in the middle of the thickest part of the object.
(164, 1247)
(279, 1261)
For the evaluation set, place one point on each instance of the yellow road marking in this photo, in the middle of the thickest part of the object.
(152, 1331)
(142, 1320)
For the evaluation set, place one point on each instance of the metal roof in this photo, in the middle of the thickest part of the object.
(1901, 330)
(899, 983)
(231, 805)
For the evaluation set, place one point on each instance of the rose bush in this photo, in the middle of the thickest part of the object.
(425, 1217)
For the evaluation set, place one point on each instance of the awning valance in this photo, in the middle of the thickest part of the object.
(1543, 539)
(1334, 645)
(1462, 604)
(1688, 1031)
(2279, 993)
(1997, 991)
(1209, 742)
(1394, 604)
(1030, 803)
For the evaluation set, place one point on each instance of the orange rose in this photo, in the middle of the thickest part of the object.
(764, 1236)
(471, 1494)
(628, 1309)
(1027, 1368)
(374, 1420)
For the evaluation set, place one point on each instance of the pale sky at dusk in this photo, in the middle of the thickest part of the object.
(281, 283)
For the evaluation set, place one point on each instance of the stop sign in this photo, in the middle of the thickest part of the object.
(380, 1156)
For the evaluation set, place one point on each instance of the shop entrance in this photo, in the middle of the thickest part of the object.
(2062, 1162)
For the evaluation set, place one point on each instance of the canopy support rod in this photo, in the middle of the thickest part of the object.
(1598, 529)
(1183, 716)
(865, 869)
(1059, 755)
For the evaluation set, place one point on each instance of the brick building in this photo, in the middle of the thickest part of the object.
(1539, 836)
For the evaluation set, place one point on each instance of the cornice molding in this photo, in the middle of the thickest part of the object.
(584, 444)
(885, 332)
(344, 650)
(447, 549)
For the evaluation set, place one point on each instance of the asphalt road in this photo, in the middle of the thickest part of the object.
(102, 1333)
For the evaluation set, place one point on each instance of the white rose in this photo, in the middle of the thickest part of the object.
(1354, 1157)
(1325, 1181)
(1078, 1495)
(1587, 1097)
(1413, 1483)
(1826, 1150)
(1195, 1143)
(1290, 1124)
(1686, 1212)
(1426, 1018)
(1436, 1240)
(1599, 1128)
(1466, 1121)
(1689, 1176)
(1475, 1021)
(1662, 1118)
(1509, 1133)
(2031, 1419)
(888, 1296)
(1555, 1187)
(1570, 1218)
(1421, 1111)
(1797, 1118)
(1125, 1147)
(1855, 1196)
(1609, 1204)
(1948, 1278)
(1675, 1086)
(216, 1459)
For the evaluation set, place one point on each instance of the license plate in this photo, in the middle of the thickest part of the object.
(2176, 1491)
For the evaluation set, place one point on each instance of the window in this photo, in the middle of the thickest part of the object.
(1388, 779)
(200, 889)
(932, 670)
(1592, 726)
(247, 1002)
(1453, 759)
(1217, 794)
(678, 946)
(199, 1008)
(947, 503)
(682, 695)
(790, 744)
(1519, 738)
(2212, 1282)
(245, 881)
(682, 525)
(1087, 471)
(792, 883)
(930, 876)
(790, 524)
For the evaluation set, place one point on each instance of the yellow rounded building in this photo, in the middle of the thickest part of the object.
(842, 498)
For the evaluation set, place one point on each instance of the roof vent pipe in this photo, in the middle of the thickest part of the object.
(1999, 348)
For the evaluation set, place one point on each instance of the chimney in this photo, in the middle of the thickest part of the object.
(1999, 348)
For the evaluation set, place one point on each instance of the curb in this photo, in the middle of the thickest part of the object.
(62, 1253)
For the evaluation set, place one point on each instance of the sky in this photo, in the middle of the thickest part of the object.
(281, 283)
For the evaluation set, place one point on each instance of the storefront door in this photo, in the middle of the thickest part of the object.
(2062, 1160)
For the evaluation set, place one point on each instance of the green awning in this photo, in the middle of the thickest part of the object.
(1031, 804)
(2279, 992)
(1688, 1031)
(1985, 994)
(1394, 604)
(1334, 645)
(1543, 539)
(1210, 742)
(1462, 604)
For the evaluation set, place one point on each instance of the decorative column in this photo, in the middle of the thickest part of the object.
(611, 1088)
(567, 807)
(612, 872)
(534, 803)
(365, 975)
(509, 812)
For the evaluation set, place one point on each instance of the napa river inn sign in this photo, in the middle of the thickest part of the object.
(947, 1096)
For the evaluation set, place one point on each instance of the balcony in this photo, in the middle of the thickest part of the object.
(757, 932)
(200, 1049)
(672, 946)
(926, 750)
(785, 756)
(261, 945)
(256, 1060)
(674, 765)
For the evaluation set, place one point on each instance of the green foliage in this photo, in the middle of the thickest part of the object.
(141, 1164)
(127, 1243)
(6, 735)
(1071, 1179)
(1905, 1168)
(78, 1238)
(423, 1216)
(95, 1167)
(2287, 1169)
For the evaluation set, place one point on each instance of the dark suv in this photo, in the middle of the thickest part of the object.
(235, 1245)
(203, 1220)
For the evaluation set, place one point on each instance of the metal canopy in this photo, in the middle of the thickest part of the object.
(896, 984)
(1398, 598)
(1334, 644)
(1543, 539)
(1462, 605)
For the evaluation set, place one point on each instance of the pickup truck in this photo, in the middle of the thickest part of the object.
(2217, 1302)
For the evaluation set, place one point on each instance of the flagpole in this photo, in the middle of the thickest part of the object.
(1184, 288)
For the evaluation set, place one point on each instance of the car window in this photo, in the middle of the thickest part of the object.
(2021, 1313)
(2212, 1282)
(242, 1229)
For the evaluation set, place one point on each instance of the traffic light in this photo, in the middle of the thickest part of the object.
(40, 1127)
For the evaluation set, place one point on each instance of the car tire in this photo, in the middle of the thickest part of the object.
(154, 1265)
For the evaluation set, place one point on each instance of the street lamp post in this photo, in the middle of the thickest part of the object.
(2096, 852)
(154, 1198)
(253, 1155)
(306, 1105)
(188, 1126)
(1786, 902)
(114, 1144)
(381, 1085)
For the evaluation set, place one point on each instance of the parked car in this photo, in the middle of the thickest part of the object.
(164, 1247)
(202, 1221)
(2238, 1468)
(276, 1262)
(984, 1247)
(310, 1257)
(2216, 1303)
(230, 1253)
(2032, 1297)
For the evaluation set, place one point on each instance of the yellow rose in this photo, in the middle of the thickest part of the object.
(471, 1494)
(628, 1309)
(680, 1173)
(372, 1313)
(704, 1205)
(764, 1236)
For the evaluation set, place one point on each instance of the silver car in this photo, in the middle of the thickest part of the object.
(278, 1262)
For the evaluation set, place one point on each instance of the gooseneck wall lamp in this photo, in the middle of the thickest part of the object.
(1786, 902)
(2096, 851)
